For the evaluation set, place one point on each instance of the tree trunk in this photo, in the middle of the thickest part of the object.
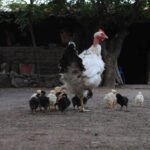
(111, 51)
(32, 33)
(34, 40)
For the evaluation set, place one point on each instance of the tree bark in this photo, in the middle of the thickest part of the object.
(111, 52)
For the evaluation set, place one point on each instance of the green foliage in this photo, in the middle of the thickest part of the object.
(7, 18)
(111, 10)
(1, 3)
(22, 20)
(81, 9)
(24, 11)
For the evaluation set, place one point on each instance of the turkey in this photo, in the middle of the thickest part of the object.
(80, 72)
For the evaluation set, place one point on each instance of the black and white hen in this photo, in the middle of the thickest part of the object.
(82, 72)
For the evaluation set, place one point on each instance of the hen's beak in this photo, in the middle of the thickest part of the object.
(106, 37)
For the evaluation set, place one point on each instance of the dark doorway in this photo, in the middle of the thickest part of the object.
(134, 55)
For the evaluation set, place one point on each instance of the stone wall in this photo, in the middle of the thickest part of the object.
(47, 58)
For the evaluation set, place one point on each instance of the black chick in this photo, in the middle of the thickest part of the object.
(33, 103)
(43, 101)
(76, 101)
(63, 102)
(122, 100)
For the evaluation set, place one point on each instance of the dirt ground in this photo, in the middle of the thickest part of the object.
(98, 129)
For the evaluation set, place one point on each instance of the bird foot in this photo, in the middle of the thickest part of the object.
(84, 110)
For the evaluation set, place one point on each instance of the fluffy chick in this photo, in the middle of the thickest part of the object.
(44, 101)
(122, 101)
(110, 99)
(76, 100)
(34, 101)
(52, 98)
(139, 99)
(63, 101)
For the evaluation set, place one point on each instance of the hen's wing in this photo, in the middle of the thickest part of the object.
(71, 69)
(69, 59)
